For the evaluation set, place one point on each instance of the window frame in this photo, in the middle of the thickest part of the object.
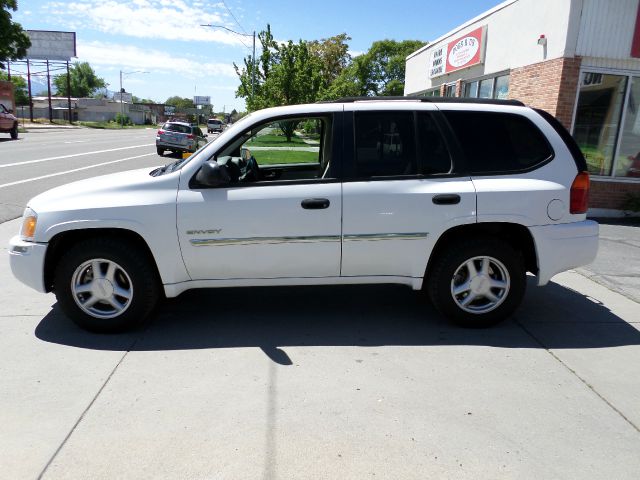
(630, 74)
(453, 149)
(336, 152)
(460, 150)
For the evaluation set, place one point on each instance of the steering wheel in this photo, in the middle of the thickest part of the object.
(253, 167)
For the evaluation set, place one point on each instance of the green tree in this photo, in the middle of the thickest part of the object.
(333, 53)
(20, 88)
(180, 102)
(286, 74)
(380, 71)
(14, 42)
(141, 100)
(84, 81)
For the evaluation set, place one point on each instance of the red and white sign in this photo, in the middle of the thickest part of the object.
(466, 51)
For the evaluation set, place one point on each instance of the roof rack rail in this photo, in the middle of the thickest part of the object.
(489, 101)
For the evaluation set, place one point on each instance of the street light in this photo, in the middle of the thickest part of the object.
(121, 92)
(253, 58)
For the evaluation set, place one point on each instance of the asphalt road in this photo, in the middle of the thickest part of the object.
(45, 159)
(313, 382)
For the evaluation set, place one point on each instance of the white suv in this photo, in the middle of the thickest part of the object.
(458, 198)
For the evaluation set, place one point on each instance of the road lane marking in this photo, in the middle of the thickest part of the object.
(77, 141)
(28, 162)
(18, 182)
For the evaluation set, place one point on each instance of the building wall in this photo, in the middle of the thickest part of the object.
(551, 85)
(606, 28)
(611, 195)
(513, 28)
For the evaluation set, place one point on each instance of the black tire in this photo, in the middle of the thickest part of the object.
(132, 273)
(160, 151)
(504, 267)
(14, 131)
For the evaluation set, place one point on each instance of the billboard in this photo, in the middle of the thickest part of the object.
(201, 100)
(46, 45)
(125, 97)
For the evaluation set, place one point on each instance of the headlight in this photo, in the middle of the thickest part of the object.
(29, 220)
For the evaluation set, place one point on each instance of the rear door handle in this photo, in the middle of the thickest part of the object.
(315, 203)
(446, 199)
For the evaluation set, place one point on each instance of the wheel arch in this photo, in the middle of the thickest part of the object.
(63, 241)
(518, 236)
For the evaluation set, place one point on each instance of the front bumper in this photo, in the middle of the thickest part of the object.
(27, 262)
(564, 246)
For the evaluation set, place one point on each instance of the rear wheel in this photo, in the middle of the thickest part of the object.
(105, 285)
(477, 283)
(14, 131)
(160, 151)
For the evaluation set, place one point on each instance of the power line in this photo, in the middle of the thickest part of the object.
(234, 17)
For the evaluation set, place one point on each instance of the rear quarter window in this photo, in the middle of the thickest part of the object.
(495, 142)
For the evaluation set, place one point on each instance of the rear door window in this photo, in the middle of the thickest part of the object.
(495, 142)
(398, 144)
(385, 144)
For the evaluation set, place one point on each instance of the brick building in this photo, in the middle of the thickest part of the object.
(577, 59)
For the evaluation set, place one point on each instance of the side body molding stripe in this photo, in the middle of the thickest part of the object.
(206, 242)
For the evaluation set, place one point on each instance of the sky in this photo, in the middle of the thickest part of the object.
(164, 39)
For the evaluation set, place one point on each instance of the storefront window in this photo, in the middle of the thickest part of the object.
(628, 164)
(597, 119)
(450, 90)
(471, 89)
(485, 88)
(432, 93)
(501, 89)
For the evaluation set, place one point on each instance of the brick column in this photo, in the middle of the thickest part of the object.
(551, 85)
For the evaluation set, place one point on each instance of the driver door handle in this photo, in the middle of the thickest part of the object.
(315, 203)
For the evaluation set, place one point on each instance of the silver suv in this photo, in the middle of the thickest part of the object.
(214, 125)
(179, 137)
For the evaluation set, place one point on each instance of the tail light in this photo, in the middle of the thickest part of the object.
(160, 132)
(190, 136)
(580, 193)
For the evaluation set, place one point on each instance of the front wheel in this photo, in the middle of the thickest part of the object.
(105, 285)
(477, 283)
(14, 132)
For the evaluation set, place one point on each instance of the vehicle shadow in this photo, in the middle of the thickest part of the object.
(553, 317)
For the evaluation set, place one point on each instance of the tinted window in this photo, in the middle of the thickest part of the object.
(434, 156)
(385, 144)
(498, 142)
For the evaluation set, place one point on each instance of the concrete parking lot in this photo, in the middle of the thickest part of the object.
(326, 382)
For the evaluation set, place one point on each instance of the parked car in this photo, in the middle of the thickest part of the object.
(8, 122)
(179, 137)
(460, 199)
(214, 125)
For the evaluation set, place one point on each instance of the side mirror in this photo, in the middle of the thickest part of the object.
(213, 175)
